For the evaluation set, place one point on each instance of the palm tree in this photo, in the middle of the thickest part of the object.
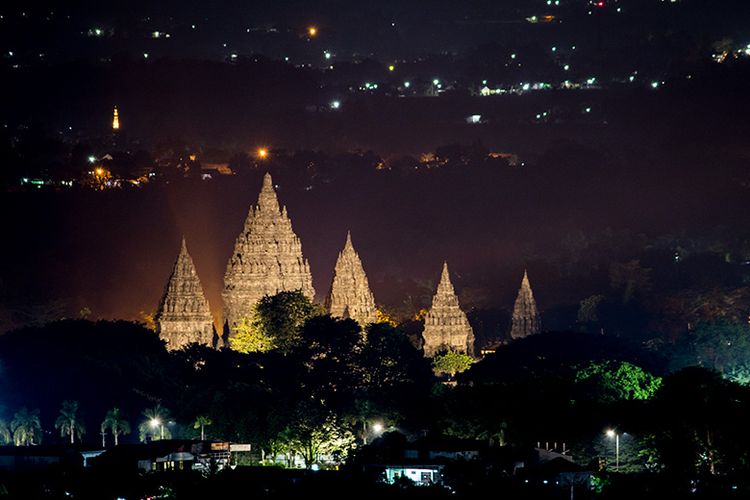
(25, 427)
(200, 423)
(155, 424)
(5, 436)
(69, 423)
(115, 422)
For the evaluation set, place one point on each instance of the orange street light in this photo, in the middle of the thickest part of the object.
(312, 31)
(262, 153)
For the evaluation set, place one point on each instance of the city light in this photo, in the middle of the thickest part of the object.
(92, 159)
(262, 153)
(335, 104)
(377, 427)
(436, 82)
(611, 433)
(407, 84)
(115, 120)
(391, 67)
(312, 31)
(156, 422)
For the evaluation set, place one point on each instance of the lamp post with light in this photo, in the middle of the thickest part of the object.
(156, 422)
(612, 433)
(376, 430)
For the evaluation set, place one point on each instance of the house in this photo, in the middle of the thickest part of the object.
(166, 455)
(393, 458)
(444, 449)
(420, 475)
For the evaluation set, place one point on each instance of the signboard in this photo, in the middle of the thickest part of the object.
(240, 447)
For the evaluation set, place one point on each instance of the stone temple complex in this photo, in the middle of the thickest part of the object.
(184, 316)
(350, 295)
(526, 319)
(267, 259)
(446, 325)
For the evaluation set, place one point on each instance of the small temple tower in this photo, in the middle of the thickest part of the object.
(526, 319)
(184, 316)
(267, 259)
(350, 295)
(446, 325)
(115, 120)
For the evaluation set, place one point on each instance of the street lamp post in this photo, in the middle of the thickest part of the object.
(616, 435)
(375, 431)
(156, 422)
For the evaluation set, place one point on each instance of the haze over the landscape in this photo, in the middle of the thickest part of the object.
(581, 166)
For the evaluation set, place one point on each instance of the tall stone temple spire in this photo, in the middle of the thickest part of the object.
(446, 325)
(526, 319)
(267, 259)
(184, 316)
(350, 295)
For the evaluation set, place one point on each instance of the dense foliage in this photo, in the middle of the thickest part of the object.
(319, 394)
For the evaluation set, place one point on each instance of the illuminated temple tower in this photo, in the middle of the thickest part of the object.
(526, 319)
(446, 325)
(350, 295)
(115, 120)
(184, 315)
(267, 259)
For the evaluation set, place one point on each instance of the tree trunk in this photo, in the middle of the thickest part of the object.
(72, 432)
(116, 433)
(203, 435)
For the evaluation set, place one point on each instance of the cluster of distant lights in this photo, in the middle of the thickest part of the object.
(724, 55)
(589, 82)
(312, 32)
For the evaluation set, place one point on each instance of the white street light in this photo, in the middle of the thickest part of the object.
(611, 433)
(155, 422)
